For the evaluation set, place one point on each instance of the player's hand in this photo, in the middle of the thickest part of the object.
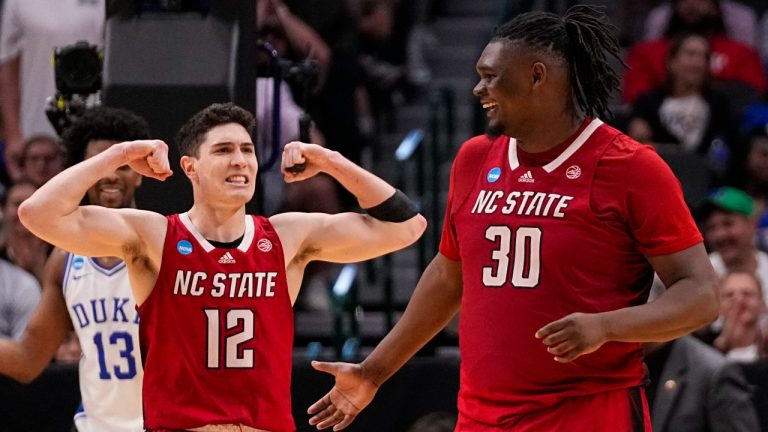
(573, 336)
(148, 158)
(312, 157)
(340, 406)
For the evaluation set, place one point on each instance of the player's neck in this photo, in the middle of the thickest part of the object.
(218, 224)
(550, 134)
(108, 262)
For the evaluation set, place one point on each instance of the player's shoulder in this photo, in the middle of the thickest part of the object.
(623, 149)
(475, 148)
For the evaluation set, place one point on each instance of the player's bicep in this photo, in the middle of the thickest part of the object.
(97, 231)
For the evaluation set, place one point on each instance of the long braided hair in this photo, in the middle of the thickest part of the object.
(581, 37)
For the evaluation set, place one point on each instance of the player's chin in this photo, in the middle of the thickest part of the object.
(495, 128)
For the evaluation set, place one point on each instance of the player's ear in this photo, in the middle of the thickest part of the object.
(538, 73)
(188, 166)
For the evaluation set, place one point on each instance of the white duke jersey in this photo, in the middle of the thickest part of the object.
(104, 316)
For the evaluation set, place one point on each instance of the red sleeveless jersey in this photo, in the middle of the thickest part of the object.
(540, 241)
(217, 332)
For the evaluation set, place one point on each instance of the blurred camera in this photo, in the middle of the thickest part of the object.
(78, 68)
(78, 74)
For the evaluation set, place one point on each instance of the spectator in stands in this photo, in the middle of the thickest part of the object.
(741, 305)
(20, 246)
(739, 20)
(756, 374)
(291, 36)
(757, 181)
(382, 55)
(31, 30)
(691, 389)
(334, 108)
(684, 110)
(41, 159)
(732, 61)
(729, 231)
(19, 294)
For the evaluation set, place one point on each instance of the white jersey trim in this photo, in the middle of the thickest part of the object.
(65, 276)
(514, 163)
(248, 236)
(107, 271)
(206, 245)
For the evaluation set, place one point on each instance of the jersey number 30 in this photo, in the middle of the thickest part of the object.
(526, 262)
(235, 357)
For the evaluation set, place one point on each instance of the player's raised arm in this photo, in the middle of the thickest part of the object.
(54, 214)
(391, 223)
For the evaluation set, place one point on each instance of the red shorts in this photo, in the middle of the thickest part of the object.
(624, 410)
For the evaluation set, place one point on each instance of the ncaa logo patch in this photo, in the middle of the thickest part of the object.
(573, 172)
(264, 245)
(184, 247)
(494, 174)
(78, 263)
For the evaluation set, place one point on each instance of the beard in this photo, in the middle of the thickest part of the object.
(494, 130)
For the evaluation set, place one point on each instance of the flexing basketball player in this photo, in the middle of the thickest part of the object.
(215, 286)
(553, 228)
(91, 296)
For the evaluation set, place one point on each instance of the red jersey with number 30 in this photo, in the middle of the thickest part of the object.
(540, 239)
(217, 332)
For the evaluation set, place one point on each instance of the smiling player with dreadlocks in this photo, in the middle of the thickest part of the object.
(554, 226)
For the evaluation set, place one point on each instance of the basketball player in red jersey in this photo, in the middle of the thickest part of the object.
(214, 287)
(554, 226)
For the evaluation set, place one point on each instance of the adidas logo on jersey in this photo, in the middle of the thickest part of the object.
(227, 259)
(526, 178)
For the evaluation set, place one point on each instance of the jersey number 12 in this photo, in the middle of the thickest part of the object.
(235, 357)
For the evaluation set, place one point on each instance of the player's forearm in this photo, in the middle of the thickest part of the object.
(685, 306)
(435, 301)
(61, 195)
(369, 189)
(304, 38)
(16, 364)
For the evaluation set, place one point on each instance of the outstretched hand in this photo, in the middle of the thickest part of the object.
(340, 406)
(313, 157)
(148, 158)
(573, 336)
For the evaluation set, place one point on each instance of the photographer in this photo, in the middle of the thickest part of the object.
(30, 33)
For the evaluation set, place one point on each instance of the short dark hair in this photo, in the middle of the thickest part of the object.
(102, 123)
(193, 132)
(36, 139)
(581, 38)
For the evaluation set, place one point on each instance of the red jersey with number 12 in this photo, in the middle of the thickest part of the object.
(217, 332)
(540, 241)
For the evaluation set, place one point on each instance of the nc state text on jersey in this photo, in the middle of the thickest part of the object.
(527, 203)
(232, 285)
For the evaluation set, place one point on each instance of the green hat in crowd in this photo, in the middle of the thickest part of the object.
(729, 199)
